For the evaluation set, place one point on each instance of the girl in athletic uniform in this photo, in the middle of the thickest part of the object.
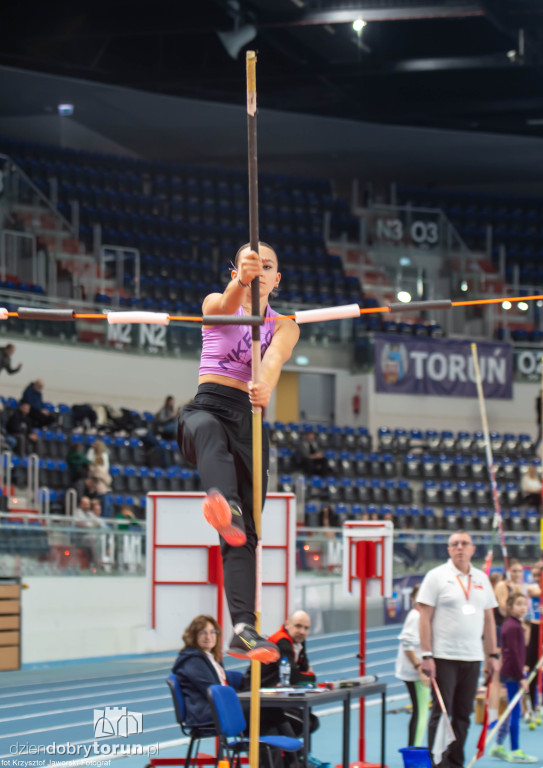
(215, 430)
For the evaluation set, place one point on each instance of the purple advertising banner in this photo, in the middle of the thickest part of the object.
(417, 366)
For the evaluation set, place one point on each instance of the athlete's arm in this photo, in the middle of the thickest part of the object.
(284, 340)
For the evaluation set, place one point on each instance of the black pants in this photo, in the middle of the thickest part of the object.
(457, 681)
(215, 434)
(532, 655)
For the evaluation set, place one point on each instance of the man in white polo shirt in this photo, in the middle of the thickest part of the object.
(457, 632)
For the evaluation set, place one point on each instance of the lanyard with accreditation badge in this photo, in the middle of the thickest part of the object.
(467, 609)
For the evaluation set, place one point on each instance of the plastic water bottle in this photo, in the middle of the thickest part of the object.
(284, 673)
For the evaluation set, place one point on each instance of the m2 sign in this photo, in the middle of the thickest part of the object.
(415, 366)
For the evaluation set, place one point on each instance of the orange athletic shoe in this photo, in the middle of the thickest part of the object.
(248, 644)
(226, 518)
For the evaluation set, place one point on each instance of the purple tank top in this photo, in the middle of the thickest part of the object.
(226, 349)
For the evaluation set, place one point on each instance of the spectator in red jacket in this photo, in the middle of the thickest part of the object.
(290, 639)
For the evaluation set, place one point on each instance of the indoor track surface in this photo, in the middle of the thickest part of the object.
(45, 705)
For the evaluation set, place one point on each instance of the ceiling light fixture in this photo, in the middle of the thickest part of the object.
(358, 25)
(404, 297)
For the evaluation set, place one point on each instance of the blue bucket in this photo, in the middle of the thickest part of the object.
(416, 757)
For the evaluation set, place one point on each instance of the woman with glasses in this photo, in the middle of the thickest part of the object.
(198, 666)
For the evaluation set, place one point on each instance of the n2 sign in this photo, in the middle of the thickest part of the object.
(126, 334)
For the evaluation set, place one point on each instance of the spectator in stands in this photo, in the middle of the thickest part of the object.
(408, 669)
(290, 639)
(214, 431)
(96, 510)
(85, 486)
(20, 426)
(166, 419)
(127, 519)
(328, 518)
(102, 479)
(5, 359)
(515, 583)
(98, 450)
(77, 462)
(88, 515)
(83, 516)
(198, 666)
(332, 550)
(39, 415)
(457, 631)
(312, 458)
(530, 486)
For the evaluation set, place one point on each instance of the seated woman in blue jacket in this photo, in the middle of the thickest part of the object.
(198, 666)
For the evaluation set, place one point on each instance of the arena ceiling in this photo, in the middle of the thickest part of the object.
(474, 65)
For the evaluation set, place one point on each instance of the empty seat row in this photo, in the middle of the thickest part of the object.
(348, 490)
(464, 493)
(327, 437)
(447, 441)
(132, 479)
(463, 467)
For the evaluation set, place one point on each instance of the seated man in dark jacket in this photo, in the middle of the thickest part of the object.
(19, 426)
(290, 639)
(39, 415)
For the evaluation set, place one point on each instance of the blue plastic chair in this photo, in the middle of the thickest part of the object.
(196, 733)
(231, 725)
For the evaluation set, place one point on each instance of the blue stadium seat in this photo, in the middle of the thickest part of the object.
(361, 489)
(312, 515)
(430, 492)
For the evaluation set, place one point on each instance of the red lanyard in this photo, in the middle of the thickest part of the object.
(466, 592)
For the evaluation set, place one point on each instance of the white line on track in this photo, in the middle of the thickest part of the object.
(85, 680)
(50, 729)
(78, 709)
(73, 698)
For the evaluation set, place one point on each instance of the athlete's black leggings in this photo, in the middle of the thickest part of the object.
(532, 655)
(215, 434)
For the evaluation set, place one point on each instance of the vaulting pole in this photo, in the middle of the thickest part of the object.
(497, 523)
(539, 697)
(254, 728)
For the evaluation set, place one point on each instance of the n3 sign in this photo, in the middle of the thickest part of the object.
(420, 232)
(149, 335)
